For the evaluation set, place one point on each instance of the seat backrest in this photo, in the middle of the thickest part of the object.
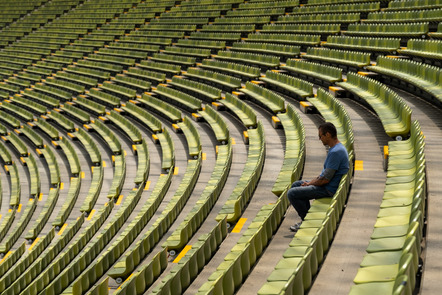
(400, 285)
(410, 247)
(405, 264)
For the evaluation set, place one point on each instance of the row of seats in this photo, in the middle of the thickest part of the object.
(250, 175)
(393, 253)
(199, 90)
(270, 100)
(394, 113)
(294, 156)
(423, 49)
(315, 72)
(288, 85)
(216, 79)
(412, 4)
(302, 28)
(425, 79)
(338, 8)
(263, 61)
(387, 45)
(216, 122)
(237, 70)
(281, 50)
(179, 98)
(298, 39)
(430, 15)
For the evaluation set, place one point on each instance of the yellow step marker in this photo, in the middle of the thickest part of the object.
(60, 232)
(359, 165)
(7, 254)
(104, 163)
(128, 278)
(239, 225)
(92, 169)
(146, 187)
(183, 252)
(33, 244)
(233, 141)
(385, 151)
(82, 174)
(176, 170)
(119, 200)
(245, 135)
(19, 208)
(40, 197)
(91, 215)
(61, 185)
(204, 156)
(0, 216)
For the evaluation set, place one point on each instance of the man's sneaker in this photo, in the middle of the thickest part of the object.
(296, 227)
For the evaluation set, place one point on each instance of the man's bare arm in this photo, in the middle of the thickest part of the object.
(318, 181)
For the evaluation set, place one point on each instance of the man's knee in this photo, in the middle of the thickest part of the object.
(297, 183)
(296, 192)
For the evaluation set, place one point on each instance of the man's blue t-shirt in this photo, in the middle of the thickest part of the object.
(337, 159)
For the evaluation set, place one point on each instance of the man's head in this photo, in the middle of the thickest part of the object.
(327, 134)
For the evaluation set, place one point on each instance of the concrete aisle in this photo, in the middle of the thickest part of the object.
(347, 249)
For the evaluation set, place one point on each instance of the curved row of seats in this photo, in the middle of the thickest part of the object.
(393, 253)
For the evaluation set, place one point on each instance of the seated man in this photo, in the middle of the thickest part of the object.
(325, 185)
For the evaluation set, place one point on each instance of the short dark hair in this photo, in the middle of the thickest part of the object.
(328, 127)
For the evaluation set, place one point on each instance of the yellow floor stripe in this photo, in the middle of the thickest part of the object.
(233, 141)
(61, 185)
(359, 165)
(91, 214)
(7, 254)
(185, 250)
(120, 199)
(239, 225)
(60, 232)
(1, 216)
(175, 171)
(33, 244)
(203, 155)
(146, 187)
(40, 197)
(82, 174)
(19, 208)
(104, 164)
